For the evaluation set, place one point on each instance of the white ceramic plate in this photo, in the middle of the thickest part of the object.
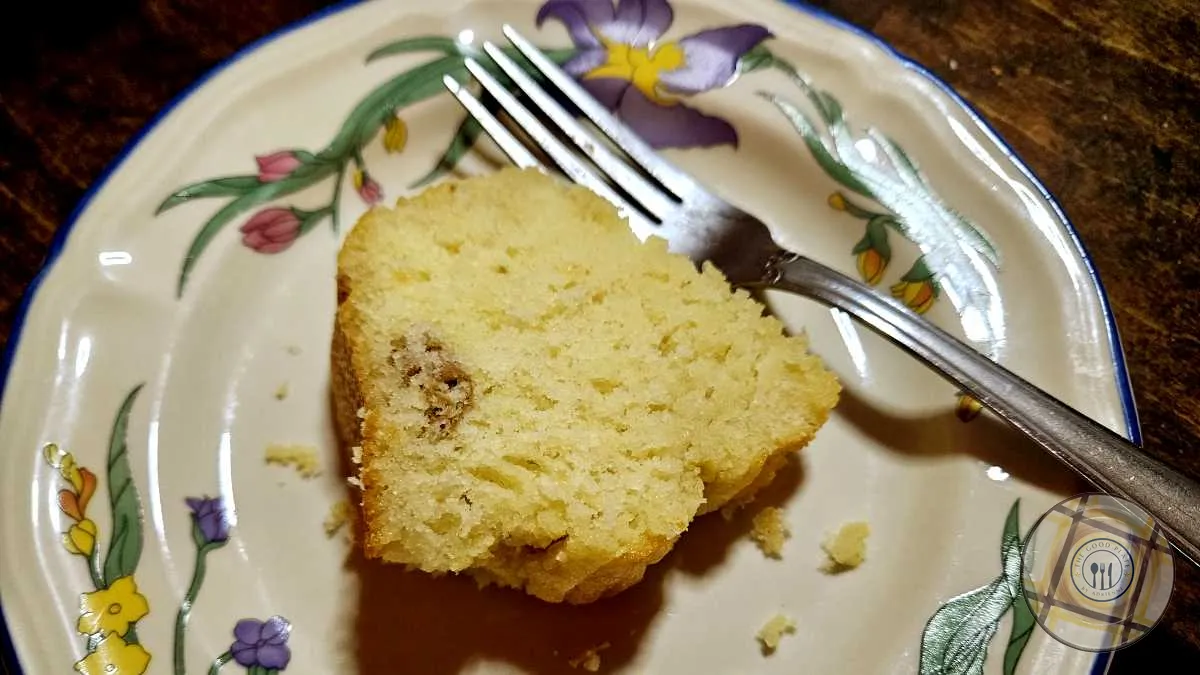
(137, 390)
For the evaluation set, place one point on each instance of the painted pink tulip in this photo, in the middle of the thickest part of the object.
(370, 191)
(277, 165)
(271, 230)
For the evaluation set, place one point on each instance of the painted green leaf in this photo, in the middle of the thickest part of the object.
(411, 86)
(896, 224)
(1010, 541)
(263, 193)
(1023, 619)
(918, 272)
(862, 246)
(428, 43)
(1022, 629)
(464, 139)
(816, 145)
(877, 234)
(364, 121)
(899, 157)
(218, 187)
(125, 548)
(910, 174)
(830, 108)
(956, 638)
(758, 58)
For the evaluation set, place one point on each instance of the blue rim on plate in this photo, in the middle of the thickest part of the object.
(10, 665)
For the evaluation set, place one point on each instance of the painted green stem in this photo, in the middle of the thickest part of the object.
(185, 607)
(219, 663)
(94, 569)
(336, 203)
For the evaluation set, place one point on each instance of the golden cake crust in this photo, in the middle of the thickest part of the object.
(537, 399)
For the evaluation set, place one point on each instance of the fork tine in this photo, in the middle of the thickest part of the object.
(649, 195)
(516, 151)
(566, 160)
(674, 179)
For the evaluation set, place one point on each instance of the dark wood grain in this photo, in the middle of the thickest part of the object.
(1101, 98)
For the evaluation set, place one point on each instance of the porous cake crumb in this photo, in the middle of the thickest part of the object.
(771, 634)
(303, 458)
(769, 531)
(541, 400)
(846, 548)
(590, 659)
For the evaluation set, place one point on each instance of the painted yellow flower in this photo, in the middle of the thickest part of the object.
(52, 454)
(395, 135)
(871, 266)
(917, 295)
(64, 462)
(622, 59)
(917, 289)
(115, 656)
(112, 609)
(80, 539)
(968, 408)
(640, 66)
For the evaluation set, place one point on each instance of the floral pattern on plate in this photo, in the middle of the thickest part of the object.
(109, 614)
(619, 54)
(957, 636)
(624, 64)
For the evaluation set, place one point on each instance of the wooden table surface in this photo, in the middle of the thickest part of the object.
(1101, 98)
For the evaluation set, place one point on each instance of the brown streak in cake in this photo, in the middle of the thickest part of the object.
(444, 383)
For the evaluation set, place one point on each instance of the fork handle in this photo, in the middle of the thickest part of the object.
(1105, 459)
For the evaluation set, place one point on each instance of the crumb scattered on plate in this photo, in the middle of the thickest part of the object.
(293, 350)
(303, 458)
(769, 531)
(773, 631)
(590, 659)
(846, 548)
(281, 392)
(340, 514)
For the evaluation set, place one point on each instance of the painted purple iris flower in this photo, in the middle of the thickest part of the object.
(622, 62)
(211, 523)
(262, 643)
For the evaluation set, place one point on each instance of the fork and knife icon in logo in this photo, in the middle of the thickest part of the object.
(1104, 574)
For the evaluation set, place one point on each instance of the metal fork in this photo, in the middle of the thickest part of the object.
(702, 226)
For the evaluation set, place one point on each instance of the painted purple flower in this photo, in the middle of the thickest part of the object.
(622, 63)
(367, 188)
(271, 230)
(210, 521)
(277, 165)
(262, 643)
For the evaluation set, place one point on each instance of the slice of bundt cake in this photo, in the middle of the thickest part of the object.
(539, 399)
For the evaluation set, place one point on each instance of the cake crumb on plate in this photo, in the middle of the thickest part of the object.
(590, 659)
(281, 392)
(772, 632)
(769, 531)
(340, 514)
(303, 458)
(846, 548)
